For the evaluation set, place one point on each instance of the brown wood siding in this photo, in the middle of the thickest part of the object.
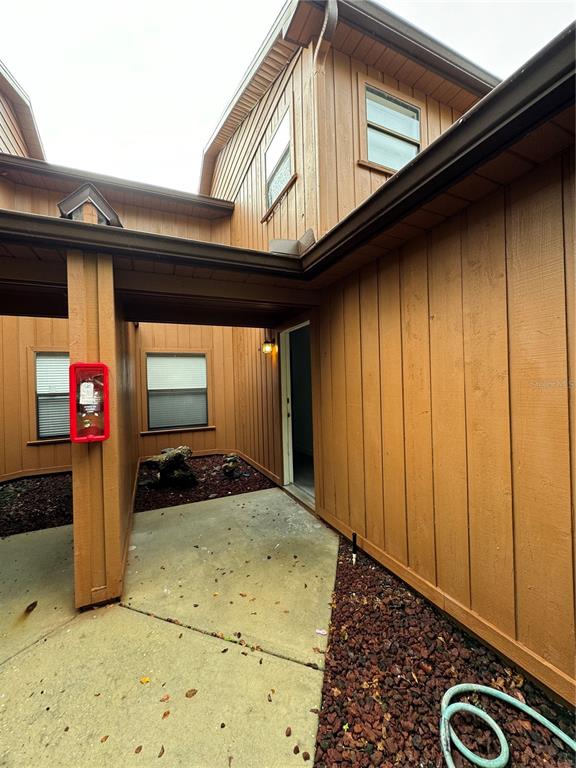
(347, 183)
(312, 202)
(28, 199)
(12, 141)
(257, 401)
(242, 387)
(19, 453)
(240, 173)
(216, 342)
(444, 371)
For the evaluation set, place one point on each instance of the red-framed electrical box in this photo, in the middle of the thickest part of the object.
(89, 403)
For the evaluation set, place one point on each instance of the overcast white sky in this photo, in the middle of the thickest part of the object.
(134, 88)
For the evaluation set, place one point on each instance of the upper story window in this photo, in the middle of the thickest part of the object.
(177, 390)
(392, 129)
(52, 386)
(278, 161)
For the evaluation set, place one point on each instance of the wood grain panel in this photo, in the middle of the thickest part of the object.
(449, 411)
(487, 413)
(392, 408)
(540, 418)
(20, 455)
(371, 404)
(11, 138)
(417, 409)
(475, 335)
(354, 405)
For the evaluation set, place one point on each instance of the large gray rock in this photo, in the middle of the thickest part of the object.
(172, 466)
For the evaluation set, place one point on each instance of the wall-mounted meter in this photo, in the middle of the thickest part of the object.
(89, 403)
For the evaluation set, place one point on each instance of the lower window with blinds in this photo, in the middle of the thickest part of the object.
(52, 406)
(177, 391)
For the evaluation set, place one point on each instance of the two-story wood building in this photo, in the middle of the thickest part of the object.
(418, 215)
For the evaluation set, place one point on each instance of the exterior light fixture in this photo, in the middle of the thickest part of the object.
(268, 347)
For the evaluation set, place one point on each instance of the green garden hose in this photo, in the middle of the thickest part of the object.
(448, 737)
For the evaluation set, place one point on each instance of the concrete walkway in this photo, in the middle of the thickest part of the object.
(108, 687)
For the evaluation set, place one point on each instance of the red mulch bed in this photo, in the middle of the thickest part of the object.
(34, 503)
(391, 657)
(212, 484)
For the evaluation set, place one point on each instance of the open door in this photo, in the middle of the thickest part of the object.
(297, 409)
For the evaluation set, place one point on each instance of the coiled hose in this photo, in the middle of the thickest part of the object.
(448, 737)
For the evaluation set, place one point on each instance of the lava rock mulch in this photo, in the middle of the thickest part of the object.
(391, 657)
(34, 503)
(212, 484)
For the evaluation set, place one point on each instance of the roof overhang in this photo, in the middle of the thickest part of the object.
(271, 58)
(13, 167)
(377, 22)
(538, 91)
(23, 109)
(296, 26)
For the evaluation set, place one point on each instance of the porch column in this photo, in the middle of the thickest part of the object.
(97, 515)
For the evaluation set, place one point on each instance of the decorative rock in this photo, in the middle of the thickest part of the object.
(172, 466)
(231, 466)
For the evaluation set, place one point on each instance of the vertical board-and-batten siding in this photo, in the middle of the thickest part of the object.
(312, 203)
(12, 141)
(443, 405)
(242, 391)
(239, 173)
(19, 337)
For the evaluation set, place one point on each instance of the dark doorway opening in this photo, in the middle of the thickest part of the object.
(301, 409)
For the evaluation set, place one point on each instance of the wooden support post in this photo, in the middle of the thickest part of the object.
(98, 545)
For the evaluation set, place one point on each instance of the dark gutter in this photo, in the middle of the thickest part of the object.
(28, 165)
(376, 21)
(537, 91)
(68, 234)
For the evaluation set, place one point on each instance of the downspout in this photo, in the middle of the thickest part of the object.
(319, 96)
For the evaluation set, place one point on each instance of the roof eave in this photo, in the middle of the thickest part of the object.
(42, 168)
(211, 149)
(23, 108)
(377, 21)
(538, 90)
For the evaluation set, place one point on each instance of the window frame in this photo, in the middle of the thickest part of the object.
(33, 431)
(365, 82)
(269, 207)
(145, 408)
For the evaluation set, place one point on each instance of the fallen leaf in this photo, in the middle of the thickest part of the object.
(30, 608)
(138, 749)
(191, 693)
(166, 714)
(103, 739)
(165, 697)
(161, 751)
(144, 680)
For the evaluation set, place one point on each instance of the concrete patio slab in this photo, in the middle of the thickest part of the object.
(35, 566)
(257, 564)
(77, 699)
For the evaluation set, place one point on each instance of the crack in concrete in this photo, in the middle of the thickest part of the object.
(259, 649)
(35, 642)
